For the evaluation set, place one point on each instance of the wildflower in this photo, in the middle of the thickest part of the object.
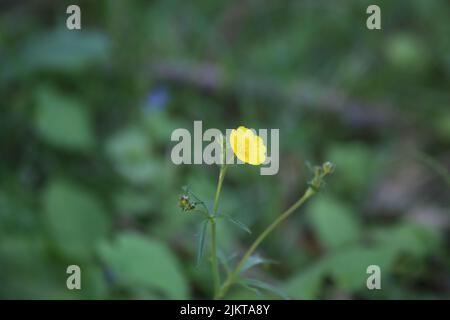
(247, 146)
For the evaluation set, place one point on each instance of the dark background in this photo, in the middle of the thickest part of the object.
(85, 123)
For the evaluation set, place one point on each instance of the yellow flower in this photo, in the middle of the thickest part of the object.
(247, 146)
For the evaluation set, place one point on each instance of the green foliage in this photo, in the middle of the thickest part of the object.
(255, 260)
(307, 284)
(407, 53)
(63, 50)
(85, 124)
(356, 166)
(333, 222)
(409, 238)
(130, 152)
(348, 267)
(76, 220)
(140, 262)
(63, 122)
(257, 285)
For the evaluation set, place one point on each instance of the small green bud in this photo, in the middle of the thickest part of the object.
(328, 167)
(320, 172)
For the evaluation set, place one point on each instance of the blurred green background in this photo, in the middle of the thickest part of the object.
(85, 123)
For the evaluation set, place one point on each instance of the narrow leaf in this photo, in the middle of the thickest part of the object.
(237, 223)
(254, 283)
(255, 260)
(201, 240)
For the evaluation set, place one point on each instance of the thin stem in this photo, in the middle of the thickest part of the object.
(223, 170)
(232, 277)
(212, 220)
(215, 268)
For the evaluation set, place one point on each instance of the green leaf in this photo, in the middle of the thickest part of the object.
(140, 262)
(63, 50)
(333, 222)
(237, 223)
(257, 284)
(410, 238)
(255, 260)
(307, 283)
(130, 151)
(160, 125)
(41, 277)
(201, 240)
(356, 163)
(134, 202)
(128, 146)
(348, 267)
(62, 121)
(76, 220)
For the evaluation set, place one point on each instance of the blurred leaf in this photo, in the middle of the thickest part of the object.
(63, 50)
(257, 284)
(75, 218)
(333, 222)
(17, 214)
(31, 272)
(130, 150)
(142, 262)
(201, 240)
(441, 124)
(62, 121)
(133, 202)
(130, 145)
(255, 260)
(160, 126)
(348, 267)
(246, 293)
(307, 283)
(407, 52)
(93, 284)
(356, 165)
(409, 238)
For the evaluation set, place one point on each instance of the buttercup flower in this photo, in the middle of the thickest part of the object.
(247, 146)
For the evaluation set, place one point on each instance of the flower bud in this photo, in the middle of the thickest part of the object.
(328, 167)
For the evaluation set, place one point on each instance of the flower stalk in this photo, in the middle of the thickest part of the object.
(232, 276)
(320, 172)
(250, 149)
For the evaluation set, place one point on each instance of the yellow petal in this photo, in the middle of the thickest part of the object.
(247, 146)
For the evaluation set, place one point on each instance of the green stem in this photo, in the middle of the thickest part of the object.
(214, 265)
(223, 170)
(232, 276)
(215, 268)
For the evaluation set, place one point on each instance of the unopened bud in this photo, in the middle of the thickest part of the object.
(328, 167)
